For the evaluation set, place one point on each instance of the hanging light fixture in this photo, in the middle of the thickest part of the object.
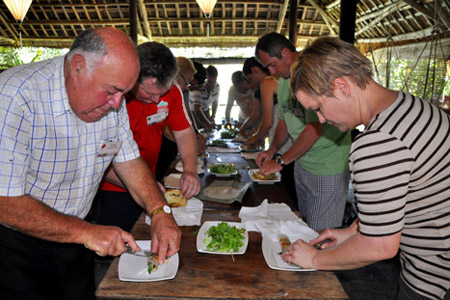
(207, 7)
(18, 9)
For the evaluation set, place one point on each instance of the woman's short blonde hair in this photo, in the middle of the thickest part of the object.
(325, 59)
(185, 64)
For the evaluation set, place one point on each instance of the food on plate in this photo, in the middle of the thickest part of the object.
(223, 168)
(219, 143)
(224, 238)
(228, 134)
(250, 147)
(221, 192)
(284, 242)
(261, 176)
(175, 198)
(153, 263)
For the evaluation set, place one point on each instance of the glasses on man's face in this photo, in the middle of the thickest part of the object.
(188, 83)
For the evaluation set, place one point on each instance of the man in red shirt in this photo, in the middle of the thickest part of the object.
(155, 101)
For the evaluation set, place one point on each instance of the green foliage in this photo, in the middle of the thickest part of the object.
(11, 56)
(424, 78)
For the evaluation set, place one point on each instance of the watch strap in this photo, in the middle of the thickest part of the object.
(158, 210)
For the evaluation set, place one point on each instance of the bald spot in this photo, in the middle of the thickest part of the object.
(122, 57)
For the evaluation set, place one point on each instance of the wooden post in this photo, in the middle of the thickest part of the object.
(293, 8)
(133, 21)
(347, 20)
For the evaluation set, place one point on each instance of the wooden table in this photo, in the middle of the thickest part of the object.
(209, 276)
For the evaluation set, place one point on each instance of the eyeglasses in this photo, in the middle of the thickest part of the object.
(188, 83)
(199, 85)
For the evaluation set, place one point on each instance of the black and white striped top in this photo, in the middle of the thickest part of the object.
(400, 168)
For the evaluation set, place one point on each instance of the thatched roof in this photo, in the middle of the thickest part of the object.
(234, 23)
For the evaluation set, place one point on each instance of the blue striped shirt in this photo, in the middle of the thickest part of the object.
(46, 151)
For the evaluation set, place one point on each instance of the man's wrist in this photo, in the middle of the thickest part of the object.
(279, 159)
(161, 209)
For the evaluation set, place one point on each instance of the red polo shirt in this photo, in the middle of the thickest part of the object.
(147, 122)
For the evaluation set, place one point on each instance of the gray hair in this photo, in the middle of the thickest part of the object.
(89, 45)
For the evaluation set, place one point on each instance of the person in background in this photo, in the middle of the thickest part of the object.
(154, 102)
(268, 87)
(169, 149)
(63, 123)
(320, 151)
(400, 166)
(241, 93)
(204, 97)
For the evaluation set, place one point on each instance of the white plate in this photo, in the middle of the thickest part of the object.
(270, 248)
(134, 268)
(262, 181)
(201, 246)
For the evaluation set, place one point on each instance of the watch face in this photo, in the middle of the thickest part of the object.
(167, 209)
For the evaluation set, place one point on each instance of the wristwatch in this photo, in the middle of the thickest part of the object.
(279, 160)
(162, 209)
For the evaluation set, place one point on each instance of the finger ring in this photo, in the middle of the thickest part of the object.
(287, 252)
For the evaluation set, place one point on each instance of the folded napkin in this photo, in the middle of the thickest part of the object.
(275, 218)
(188, 215)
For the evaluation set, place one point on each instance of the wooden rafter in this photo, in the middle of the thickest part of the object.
(331, 23)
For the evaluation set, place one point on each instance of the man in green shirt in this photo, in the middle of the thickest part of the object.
(320, 150)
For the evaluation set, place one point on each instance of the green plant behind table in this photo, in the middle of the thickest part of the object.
(416, 74)
(11, 56)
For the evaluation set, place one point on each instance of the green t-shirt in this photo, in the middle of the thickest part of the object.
(329, 154)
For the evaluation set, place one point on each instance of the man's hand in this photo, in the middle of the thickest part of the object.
(166, 236)
(108, 240)
(269, 167)
(190, 184)
(263, 157)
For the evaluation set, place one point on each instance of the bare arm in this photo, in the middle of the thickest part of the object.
(304, 142)
(35, 218)
(353, 252)
(229, 106)
(187, 146)
(137, 177)
(268, 91)
(280, 138)
(254, 117)
(201, 117)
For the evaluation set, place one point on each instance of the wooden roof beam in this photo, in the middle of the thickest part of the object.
(430, 13)
(282, 15)
(331, 23)
(144, 16)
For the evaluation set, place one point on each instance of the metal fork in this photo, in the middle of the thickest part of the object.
(142, 253)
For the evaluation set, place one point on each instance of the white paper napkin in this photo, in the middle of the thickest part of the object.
(298, 230)
(274, 218)
(188, 215)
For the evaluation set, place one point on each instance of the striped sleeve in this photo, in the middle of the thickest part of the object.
(381, 167)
